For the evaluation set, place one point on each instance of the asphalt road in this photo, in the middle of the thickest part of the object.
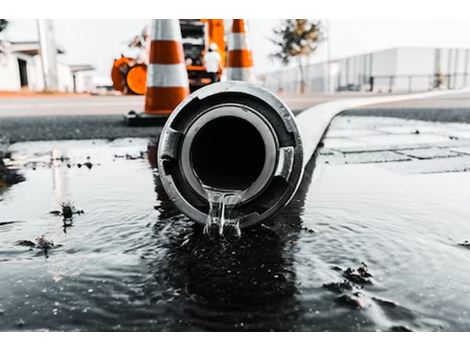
(95, 117)
(111, 105)
(61, 106)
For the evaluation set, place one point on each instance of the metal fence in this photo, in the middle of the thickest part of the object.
(407, 83)
(378, 83)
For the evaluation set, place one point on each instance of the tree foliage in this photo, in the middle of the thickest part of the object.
(3, 24)
(296, 38)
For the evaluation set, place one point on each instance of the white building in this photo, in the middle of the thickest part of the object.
(21, 69)
(83, 80)
(403, 69)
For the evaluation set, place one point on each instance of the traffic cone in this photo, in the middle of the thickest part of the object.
(240, 60)
(167, 78)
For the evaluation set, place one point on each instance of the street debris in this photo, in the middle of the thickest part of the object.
(4, 223)
(349, 300)
(8, 176)
(400, 328)
(308, 230)
(41, 243)
(359, 276)
(26, 243)
(339, 287)
(350, 289)
(67, 212)
(128, 156)
(20, 323)
(465, 244)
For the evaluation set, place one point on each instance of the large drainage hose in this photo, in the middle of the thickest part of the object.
(231, 138)
(239, 142)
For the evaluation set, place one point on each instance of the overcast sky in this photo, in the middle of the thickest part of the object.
(97, 42)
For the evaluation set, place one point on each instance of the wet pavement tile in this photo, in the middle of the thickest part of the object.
(463, 134)
(366, 157)
(464, 150)
(430, 153)
(401, 140)
(341, 143)
(434, 165)
(406, 146)
(352, 132)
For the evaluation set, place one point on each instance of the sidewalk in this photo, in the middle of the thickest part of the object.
(399, 145)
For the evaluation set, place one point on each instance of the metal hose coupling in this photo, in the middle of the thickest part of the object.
(233, 141)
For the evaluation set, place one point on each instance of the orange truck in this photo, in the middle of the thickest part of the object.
(130, 77)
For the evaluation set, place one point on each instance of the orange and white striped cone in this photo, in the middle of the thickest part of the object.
(167, 78)
(240, 59)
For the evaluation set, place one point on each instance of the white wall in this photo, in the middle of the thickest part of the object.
(10, 76)
(84, 81)
(9, 73)
(37, 83)
(416, 62)
(65, 78)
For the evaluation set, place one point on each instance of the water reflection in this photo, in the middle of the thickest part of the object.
(234, 283)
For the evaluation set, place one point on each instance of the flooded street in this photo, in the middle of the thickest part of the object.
(364, 246)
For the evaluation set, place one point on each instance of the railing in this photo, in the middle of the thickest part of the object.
(410, 83)
(377, 83)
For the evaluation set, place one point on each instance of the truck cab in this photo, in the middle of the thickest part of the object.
(196, 37)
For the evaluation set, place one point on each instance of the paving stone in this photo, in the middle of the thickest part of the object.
(392, 143)
(402, 140)
(341, 143)
(439, 129)
(365, 158)
(453, 143)
(427, 166)
(465, 150)
(463, 134)
(352, 132)
(403, 129)
(374, 157)
(429, 153)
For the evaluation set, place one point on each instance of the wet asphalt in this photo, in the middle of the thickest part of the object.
(104, 117)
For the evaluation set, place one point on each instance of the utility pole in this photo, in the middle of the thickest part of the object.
(327, 66)
(48, 53)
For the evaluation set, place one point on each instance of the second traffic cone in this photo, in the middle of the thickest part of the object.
(240, 59)
(167, 78)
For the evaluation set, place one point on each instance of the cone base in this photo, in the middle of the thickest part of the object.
(143, 119)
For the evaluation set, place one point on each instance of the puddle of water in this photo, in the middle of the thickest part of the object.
(132, 262)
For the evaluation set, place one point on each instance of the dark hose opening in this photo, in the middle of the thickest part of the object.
(228, 153)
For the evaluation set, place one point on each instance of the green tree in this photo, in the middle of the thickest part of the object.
(3, 25)
(297, 39)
